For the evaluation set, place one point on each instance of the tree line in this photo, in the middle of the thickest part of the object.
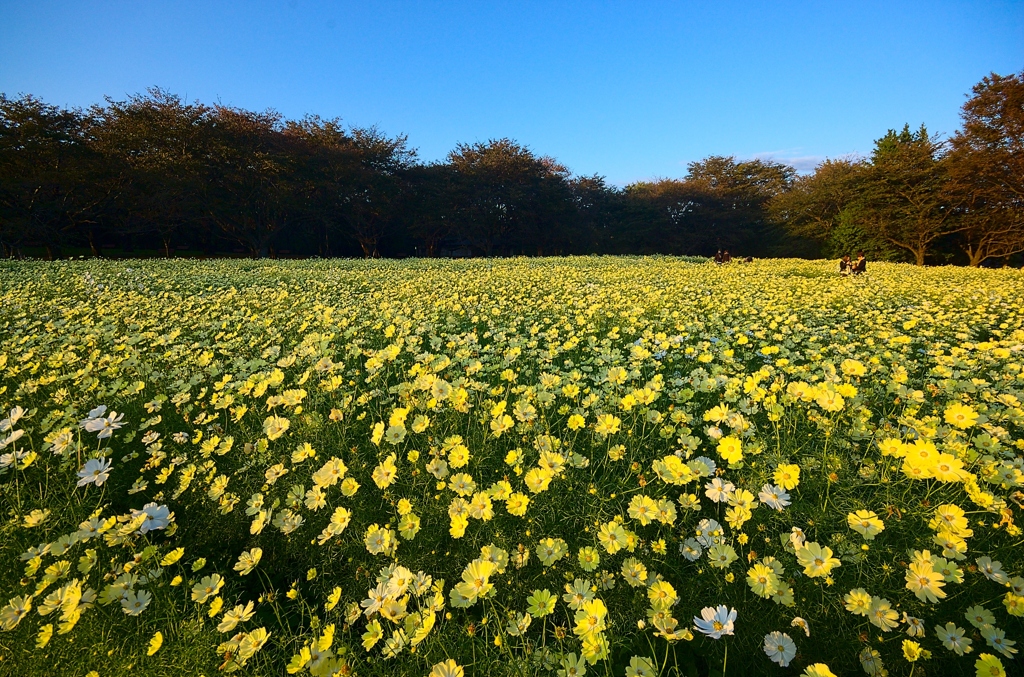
(156, 172)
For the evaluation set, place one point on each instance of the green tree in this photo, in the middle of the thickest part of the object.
(502, 190)
(376, 193)
(822, 207)
(812, 206)
(903, 197)
(329, 169)
(720, 204)
(429, 205)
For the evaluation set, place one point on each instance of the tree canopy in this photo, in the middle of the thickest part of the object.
(159, 173)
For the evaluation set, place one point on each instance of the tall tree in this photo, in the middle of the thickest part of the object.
(721, 204)
(249, 177)
(326, 176)
(376, 193)
(903, 198)
(430, 205)
(501, 194)
(598, 210)
(812, 206)
(160, 144)
(987, 168)
(822, 207)
(48, 172)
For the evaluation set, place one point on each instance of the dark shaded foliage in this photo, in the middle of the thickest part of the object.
(157, 173)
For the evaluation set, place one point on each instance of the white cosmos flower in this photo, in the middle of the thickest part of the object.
(105, 426)
(11, 439)
(691, 549)
(993, 570)
(801, 623)
(953, 638)
(95, 471)
(96, 413)
(774, 497)
(135, 602)
(996, 639)
(716, 621)
(719, 491)
(780, 647)
(11, 419)
(157, 517)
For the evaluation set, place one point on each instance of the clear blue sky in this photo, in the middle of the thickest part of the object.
(628, 90)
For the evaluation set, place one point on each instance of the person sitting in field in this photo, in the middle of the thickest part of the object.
(860, 265)
(725, 256)
(718, 256)
(845, 266)
(749, 259)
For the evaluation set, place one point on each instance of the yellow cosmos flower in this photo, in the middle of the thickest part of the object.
(816, 560)
(275, 426)
(787, 476)
(866, 523)
(960, 415)
(730, 449)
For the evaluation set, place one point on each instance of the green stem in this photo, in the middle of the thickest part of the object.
(725, 659)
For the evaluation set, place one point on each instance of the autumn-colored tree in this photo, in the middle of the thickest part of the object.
(987, 169)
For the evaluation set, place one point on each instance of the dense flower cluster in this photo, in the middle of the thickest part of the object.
(533, 467)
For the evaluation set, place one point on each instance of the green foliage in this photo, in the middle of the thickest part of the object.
(849, 236)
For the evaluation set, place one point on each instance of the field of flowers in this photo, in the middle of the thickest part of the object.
(601, 466)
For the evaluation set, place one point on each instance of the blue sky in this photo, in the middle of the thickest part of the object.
(628, 90)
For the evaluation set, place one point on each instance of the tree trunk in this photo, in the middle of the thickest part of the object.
(919, 256)
(167, 247)
(369, 247)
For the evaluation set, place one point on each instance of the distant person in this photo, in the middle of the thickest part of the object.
(749, 259)
(725, 256)
(718, 256)
(845, 265)
(860, 266)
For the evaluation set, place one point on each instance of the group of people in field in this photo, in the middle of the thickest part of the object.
(857, 267)
(847, 266)
(726, 257)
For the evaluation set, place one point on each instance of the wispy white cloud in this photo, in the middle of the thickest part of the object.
(795, 157)
(791, 156)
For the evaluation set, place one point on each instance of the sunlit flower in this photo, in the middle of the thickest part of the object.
(716, 621)
(95, 471)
